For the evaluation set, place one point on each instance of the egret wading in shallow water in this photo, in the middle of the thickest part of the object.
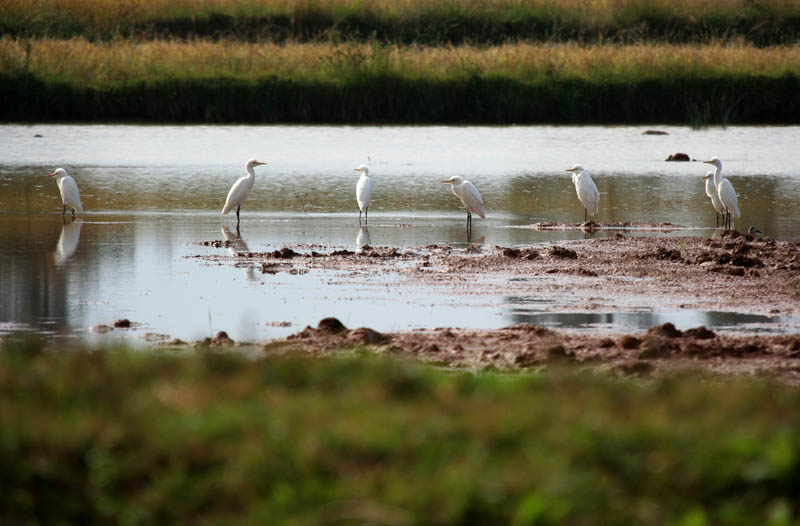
(587, 191)
(726, 194)
(711, 191)
(70, 195)
(240, 189)
(363, 192)
(469, 195)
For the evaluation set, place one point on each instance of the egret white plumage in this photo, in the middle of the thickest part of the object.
(363, 192)
(711, 191)
(240, 189)
(725, 192)
(469, 195)
(70, 195)
(587, 191)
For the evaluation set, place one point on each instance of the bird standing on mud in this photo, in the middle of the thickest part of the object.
(725, 192)
(240, 189)
(469, 195)
(70, 195)
(363, 192)
(587, 191)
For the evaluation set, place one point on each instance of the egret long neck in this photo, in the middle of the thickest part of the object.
(717, 175)
(250, 171)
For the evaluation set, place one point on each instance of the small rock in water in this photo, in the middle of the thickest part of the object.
(679, 157)
(331, 325)
(123, 323)
(222, 339)
(654, 132)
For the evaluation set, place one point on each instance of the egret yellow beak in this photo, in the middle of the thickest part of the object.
(708, 162)
(447, 180)
(51, 175)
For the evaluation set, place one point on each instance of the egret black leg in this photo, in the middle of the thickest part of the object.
(359, 216)
(366, 215)
(585, 216)
(237, 213)
(717, 218)
(64, 211)
(73, 214)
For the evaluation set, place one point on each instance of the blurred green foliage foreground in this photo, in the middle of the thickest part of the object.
(159, 437)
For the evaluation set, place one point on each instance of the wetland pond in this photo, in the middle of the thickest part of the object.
(152, 196)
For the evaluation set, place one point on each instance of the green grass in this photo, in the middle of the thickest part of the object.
(212, 438)
(763, 22)
(204, 81)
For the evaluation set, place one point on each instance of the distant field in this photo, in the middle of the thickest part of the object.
(207, 437)
(763, 22)
(229, 81)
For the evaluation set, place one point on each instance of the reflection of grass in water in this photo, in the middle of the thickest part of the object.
(765, 21)
(150, 437)
(372, 82)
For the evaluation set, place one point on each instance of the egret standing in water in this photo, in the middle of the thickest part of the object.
(363, 192)
(725, 192)
(70, 195)
(711, 191)
(240, 189)
(587, 191)
(469, 195)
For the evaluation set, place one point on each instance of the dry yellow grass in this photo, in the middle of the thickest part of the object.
(105, 15)
(81, 61)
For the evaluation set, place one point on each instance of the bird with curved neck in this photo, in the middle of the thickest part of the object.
(363, 192)
(587, 191)
(240, 189)
(469, 196)
(70, 195)
(725, 192)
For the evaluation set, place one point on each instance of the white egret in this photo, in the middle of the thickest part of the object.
(587, 191)
(363, 192)
(469, 195)
(711, 191)
(725, 192)
(70, 195)
(240, 189)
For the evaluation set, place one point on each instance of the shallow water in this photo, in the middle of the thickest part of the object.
(153, 193)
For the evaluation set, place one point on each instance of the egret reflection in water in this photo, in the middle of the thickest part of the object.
(363, 238)
(236, 246)
(68, 241)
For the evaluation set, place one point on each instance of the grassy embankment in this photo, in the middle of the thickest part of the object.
(226, 81)
(765, 22)
(212, 438)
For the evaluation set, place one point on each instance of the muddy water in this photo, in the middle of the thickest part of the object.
(152, 194)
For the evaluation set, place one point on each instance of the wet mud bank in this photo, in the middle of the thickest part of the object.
(662, 350)
(733, 271)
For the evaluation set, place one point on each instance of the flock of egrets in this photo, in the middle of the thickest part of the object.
(719, 189)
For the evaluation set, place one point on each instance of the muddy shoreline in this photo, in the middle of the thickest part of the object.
(730, 271)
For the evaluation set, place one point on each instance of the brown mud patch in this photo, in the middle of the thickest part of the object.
(662, 350)
(732, 273)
